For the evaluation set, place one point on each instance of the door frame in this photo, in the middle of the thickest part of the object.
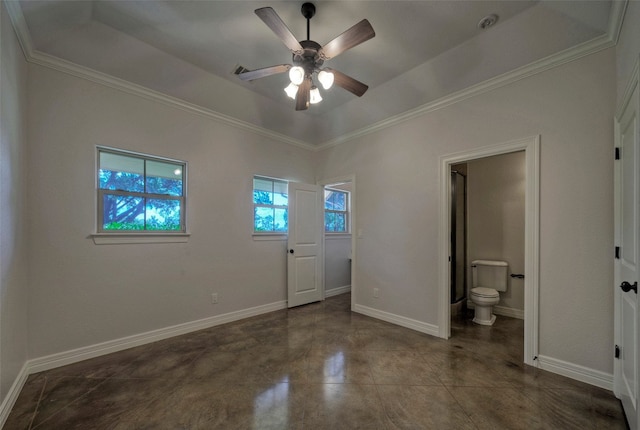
(627, 99)
(531, 147)
(324, 182)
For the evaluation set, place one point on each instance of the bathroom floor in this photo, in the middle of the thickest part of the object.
(318, 366)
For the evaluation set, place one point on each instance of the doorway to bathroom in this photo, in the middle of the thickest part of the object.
(458, 239)
(524, 289)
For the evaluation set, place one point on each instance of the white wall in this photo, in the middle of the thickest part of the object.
(397, 192)
(81, 293)
(495, 195)
(13, 213)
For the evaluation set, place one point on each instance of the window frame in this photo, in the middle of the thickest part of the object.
(267, 233)
(346, 212)
(101, 232)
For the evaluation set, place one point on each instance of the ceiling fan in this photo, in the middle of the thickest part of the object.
(309, 56)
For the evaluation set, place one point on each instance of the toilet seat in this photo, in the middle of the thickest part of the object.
(488, 293)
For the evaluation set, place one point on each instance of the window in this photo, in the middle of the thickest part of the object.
(336, 211)
(140, 193)
(270, 205)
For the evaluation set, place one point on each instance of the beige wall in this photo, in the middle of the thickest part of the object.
(495, 195)
(13, 210)
(82, 294)
(397, 189)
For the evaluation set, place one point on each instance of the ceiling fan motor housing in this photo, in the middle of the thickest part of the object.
(309, 56)
(309, 60)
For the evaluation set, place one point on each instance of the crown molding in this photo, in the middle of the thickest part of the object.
(550, 62)
(616, 18)
(149, 94)
(36, 57)
(20, 27)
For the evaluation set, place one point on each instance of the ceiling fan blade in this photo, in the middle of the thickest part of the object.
(303, 95)
(348, 83)
(275, 23)
(361, 32)
(264, 72)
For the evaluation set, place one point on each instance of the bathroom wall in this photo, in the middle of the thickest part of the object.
(337, 258)
(496, 198)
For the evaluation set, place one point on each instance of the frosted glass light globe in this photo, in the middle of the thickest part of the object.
(296, 74)
(326, 79)
(291, 90)
(314, 96)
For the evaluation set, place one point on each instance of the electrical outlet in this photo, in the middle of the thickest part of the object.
(376, 293)
(214, 298)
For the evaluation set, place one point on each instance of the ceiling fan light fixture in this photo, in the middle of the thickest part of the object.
(326, 79)
(308, 58)
(314, 95)
(291, 90)
(296, 75)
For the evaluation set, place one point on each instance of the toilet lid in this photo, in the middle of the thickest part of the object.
(485, 292)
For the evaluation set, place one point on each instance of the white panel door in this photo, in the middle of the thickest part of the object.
(305, 254)
(627, 264)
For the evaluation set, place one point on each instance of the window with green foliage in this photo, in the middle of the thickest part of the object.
(140, 193)
(336, 211)
(270, 205)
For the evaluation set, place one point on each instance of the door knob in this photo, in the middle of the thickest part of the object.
(291, 251)
(626, 287)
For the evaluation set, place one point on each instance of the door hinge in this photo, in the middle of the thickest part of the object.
(617, 253)
(617, 152)
(617, 352)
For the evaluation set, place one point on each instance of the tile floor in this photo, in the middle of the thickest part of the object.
(316, 367)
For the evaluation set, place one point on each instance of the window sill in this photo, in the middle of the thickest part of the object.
(129, 238)
(269, 236)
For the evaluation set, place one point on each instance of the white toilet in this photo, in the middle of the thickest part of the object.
(488, 277)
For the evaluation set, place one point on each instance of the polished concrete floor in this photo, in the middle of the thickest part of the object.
(316, 367)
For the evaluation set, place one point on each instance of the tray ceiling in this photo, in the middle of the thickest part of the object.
(423, 52)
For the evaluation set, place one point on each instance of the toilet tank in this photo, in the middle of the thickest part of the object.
(489, 274)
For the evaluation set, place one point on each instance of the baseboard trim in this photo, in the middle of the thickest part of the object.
(577, 372)
(509, 312)
(12, 395)
(397, 319)
(337, 291)
(560, 367)
(79, 354)
(503, 310)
